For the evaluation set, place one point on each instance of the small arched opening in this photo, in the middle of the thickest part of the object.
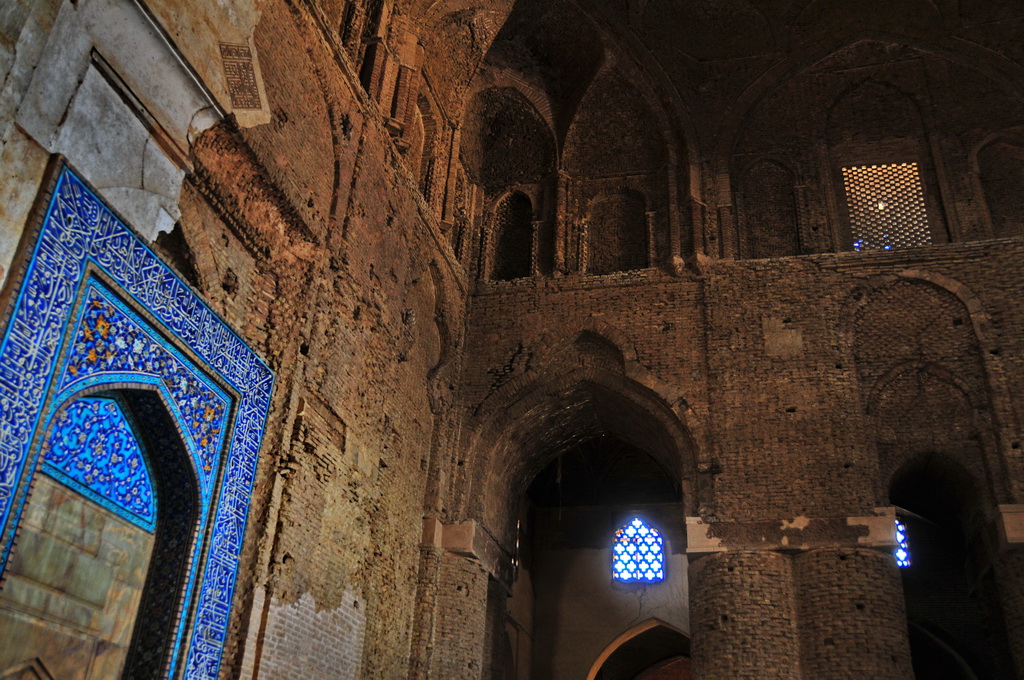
(513, 234)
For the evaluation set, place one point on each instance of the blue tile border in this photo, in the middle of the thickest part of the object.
(78, 230)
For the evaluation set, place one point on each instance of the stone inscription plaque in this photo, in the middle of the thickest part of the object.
(241, 76)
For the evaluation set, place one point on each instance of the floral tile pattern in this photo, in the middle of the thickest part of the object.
(93, 449)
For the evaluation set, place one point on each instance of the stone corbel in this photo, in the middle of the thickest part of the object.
(1010, 526)
(470, 540)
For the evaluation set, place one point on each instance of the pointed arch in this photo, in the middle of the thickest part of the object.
(170, 540)
(512, 237)
(633, 633)
(520, 433)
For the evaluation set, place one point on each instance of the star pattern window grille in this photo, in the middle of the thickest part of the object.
(902, 551)
(887, 206)
(638, 553)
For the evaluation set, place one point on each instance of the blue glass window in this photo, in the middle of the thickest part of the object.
(902, 551)
(638, 553)
(92, 448)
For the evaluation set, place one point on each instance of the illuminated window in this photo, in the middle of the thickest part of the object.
(902, 551)
(886, 205)
(638, 554)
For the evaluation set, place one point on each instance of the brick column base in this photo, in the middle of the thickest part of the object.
(743, 615)
(852, 619)
(1009, 572)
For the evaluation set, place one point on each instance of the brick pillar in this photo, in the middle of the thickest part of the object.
(852, 619)
(1009, 571)
(562, 216)
(461, 619)
(743, 617)
(425, 616)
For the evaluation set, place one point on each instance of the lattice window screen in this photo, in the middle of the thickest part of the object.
(638, 553)
(886, 204)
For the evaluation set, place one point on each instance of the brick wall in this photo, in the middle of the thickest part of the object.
(851, 615)
(303, 642)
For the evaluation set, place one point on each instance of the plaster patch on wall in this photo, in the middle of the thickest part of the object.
(880, 528)
(798, 523)
(304, 642)
(780, 340)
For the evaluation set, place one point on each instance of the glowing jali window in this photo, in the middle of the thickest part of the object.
(638, 554)
(886, 205)
(902, 551)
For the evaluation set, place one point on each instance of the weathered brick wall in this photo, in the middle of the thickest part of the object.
(1009, 571)
(308, 235)
(303, 642)
(461, 620)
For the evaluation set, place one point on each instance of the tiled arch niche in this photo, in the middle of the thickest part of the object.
(96, 309)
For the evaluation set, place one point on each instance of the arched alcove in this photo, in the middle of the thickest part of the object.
(922, 376)
(524, 430)
(952, 606)
(572, 460)
(617, 238)
(883, 164)
(98, 584)
(513, 236)
(606, 544)
(768, 211)
(618, 162)
(1001, 172)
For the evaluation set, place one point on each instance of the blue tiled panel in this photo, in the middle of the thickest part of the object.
(93, 448)
(79, 232)
(112, 344)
